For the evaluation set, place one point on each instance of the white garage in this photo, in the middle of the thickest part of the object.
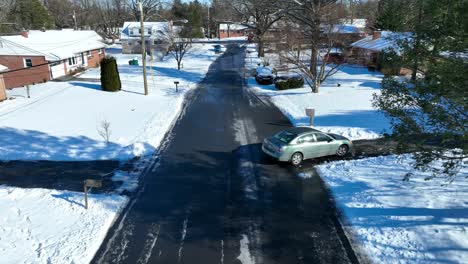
(57, 69)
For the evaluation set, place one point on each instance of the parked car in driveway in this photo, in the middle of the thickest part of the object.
(297, 144)
(264, 75)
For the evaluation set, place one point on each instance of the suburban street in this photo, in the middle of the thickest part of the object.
(213, 197)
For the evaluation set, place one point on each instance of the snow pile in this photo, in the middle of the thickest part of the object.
(394, 221)
(62, 119)
(48, 226)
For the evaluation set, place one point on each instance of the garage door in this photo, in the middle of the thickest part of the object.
(58, 70)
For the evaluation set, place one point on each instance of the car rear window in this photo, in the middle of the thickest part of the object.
(285, 136)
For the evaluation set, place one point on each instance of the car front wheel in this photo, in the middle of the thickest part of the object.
(296, 159)
(342, 150)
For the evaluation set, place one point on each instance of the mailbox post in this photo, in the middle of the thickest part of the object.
(310, 112)
(176, 86)
(90, 184)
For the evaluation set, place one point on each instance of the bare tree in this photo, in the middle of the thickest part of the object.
(150, 8)
(104, 130)
(259, 15)
(113, 14)
(179, 48)
(312, 16)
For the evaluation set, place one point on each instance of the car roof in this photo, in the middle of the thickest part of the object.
(301, 130)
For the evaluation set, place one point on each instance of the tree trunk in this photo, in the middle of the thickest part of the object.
(261, 49)
(313, 62)
(261, 44)
(417, 44)
(317, 85)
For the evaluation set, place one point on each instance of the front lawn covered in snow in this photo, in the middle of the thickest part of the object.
(394, 221)
(62, 119)
(49, 226)
(345, 109)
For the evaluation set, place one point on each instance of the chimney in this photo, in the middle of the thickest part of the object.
(24, 33)
(377, 34)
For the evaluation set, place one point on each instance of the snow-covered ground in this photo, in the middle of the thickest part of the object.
(346, 110)
(61, 122)
(48, 226)
(62, 119)
(394, 221)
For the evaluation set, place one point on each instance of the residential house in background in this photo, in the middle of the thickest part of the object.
(227, 30)
(39, 56)
(2, 83)
(158, 38)
(369, 50)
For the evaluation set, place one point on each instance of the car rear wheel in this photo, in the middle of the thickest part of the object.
(296, 159)
(342, 150)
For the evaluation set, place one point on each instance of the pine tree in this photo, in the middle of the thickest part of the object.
(431, 111)
(30, 14)
(110, 79)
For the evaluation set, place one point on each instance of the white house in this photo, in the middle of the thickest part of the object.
(158, 36)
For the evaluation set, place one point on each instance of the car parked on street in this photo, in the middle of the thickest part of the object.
(264, 75)
(297, 144)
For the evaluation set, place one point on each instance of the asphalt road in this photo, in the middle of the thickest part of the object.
(213, 197)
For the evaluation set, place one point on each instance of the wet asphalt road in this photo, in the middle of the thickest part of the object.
(213, 197)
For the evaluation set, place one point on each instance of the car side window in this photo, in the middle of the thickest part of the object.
(322, 137)
(306, 139)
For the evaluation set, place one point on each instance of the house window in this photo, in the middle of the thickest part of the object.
(88, 53)
(157, 42)
(28, 63)
(149, 31)
(72, 61)
(100, 51)
(139, 31)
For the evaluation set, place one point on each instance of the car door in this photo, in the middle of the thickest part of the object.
(324, 144)
(305, 144)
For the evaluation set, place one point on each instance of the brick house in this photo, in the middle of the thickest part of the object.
(40, 56)
(369, 50)
(232, 30)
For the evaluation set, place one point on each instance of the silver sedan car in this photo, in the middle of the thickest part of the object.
(297, 144)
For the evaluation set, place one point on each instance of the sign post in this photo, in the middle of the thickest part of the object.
(89, 183)
(310, 112)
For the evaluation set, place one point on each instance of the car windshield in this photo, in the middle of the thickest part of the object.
(285, 136)
(264, 71)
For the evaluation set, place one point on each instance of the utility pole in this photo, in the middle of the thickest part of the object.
(209, 24)
(143, 49)
(74, 20)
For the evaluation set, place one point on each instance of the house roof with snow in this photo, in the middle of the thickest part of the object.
(53, 44)
(225, 26)
(387, 40)
(346, 29)
(154, 30)
(3, 68)
(359, 23)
